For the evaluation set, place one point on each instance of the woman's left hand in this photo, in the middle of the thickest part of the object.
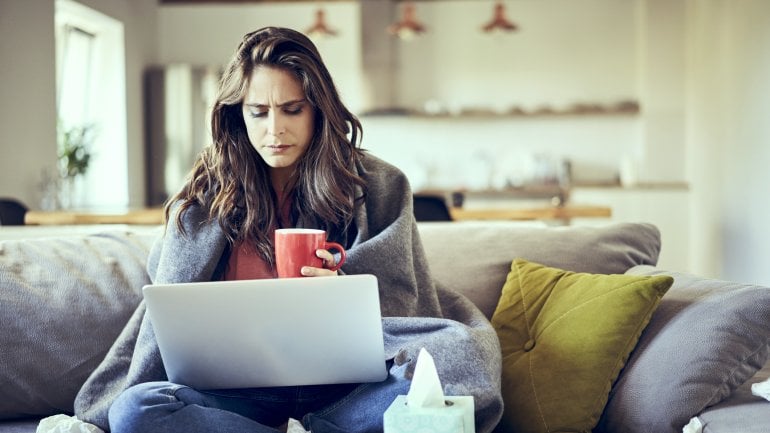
(328, 258)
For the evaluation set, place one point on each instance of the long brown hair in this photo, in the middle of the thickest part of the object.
(231, 180)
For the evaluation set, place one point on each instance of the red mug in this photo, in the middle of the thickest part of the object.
(295, 248)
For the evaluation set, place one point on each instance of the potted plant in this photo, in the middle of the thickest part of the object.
(74, 159)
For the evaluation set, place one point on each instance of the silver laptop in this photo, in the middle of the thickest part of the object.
(271, 332)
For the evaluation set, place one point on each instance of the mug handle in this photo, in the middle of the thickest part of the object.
(338, 247)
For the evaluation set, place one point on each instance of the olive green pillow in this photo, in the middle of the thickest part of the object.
(565, 336)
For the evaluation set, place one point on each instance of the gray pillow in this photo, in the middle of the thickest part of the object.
(706, 338)
(63, 301)
(741, 412)
(474, 258)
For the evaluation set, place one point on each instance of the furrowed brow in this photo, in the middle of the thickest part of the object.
(281, 105)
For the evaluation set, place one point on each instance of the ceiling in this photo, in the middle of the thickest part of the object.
(252, 1)
(231, 1)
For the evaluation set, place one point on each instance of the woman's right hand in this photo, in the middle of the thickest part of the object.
(328, 262)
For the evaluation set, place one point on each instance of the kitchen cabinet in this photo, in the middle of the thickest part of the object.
(667, 206)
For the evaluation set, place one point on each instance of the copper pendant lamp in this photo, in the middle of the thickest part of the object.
(319, 27)
(499, 20)
(409, 26)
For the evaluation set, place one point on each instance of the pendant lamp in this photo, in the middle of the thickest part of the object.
(409, 26)
(319, 27)
(499, 21)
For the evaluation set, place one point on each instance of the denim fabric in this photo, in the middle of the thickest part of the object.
(360, 411)
(156, 407)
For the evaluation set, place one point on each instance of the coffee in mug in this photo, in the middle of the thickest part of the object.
(295, 248)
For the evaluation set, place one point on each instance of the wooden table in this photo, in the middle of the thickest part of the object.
(151, 216)
(557, 213)
(154, 216)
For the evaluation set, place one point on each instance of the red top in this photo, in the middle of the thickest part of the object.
(244, 262)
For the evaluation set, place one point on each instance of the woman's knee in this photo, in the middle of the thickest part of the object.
(136, 409)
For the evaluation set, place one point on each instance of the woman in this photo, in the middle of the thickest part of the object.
(286, 153)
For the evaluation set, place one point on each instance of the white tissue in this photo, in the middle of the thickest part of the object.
(694, 426)
(65, 424)
(425, 390)
(761, 389)
(425, 409)
(294, 426)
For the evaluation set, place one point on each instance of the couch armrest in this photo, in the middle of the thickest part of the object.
(63, 301)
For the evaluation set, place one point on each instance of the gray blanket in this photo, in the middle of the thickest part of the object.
(416, 312)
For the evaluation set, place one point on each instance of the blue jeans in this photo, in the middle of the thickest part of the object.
(168, 407)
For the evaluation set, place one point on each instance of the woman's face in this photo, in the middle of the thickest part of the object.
(279, 120)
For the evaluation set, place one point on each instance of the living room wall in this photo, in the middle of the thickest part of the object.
(729, 137)
(28, 87)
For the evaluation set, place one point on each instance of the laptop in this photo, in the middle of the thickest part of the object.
(269, 332)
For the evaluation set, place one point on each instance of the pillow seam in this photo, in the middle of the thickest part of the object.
(731, 375)
(537, 400)
(529, 334)
(632, 341)
(574, 307)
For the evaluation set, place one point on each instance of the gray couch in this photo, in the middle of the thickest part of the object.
(64, 299)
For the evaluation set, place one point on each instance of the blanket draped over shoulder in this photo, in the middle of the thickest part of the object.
(416, 312)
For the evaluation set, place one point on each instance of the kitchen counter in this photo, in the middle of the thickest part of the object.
(149, 216)
(154, 216)
(558, 213)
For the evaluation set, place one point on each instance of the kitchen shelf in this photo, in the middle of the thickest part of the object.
(546, 193)
(623, 109)
(640, 186)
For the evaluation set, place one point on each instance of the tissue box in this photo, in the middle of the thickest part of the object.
(456, 417)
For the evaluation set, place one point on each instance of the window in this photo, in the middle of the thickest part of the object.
(91, 91)
(77, 47)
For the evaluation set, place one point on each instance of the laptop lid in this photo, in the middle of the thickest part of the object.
(270, 332)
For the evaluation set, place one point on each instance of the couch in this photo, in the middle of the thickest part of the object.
(694, 349)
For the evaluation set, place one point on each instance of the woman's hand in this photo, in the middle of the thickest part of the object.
(328, 259)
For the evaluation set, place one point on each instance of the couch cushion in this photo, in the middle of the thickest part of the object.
(19, 426)
(706, 338)
(564, 338)
(741, 412)
(475, 257)
(63, 301)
